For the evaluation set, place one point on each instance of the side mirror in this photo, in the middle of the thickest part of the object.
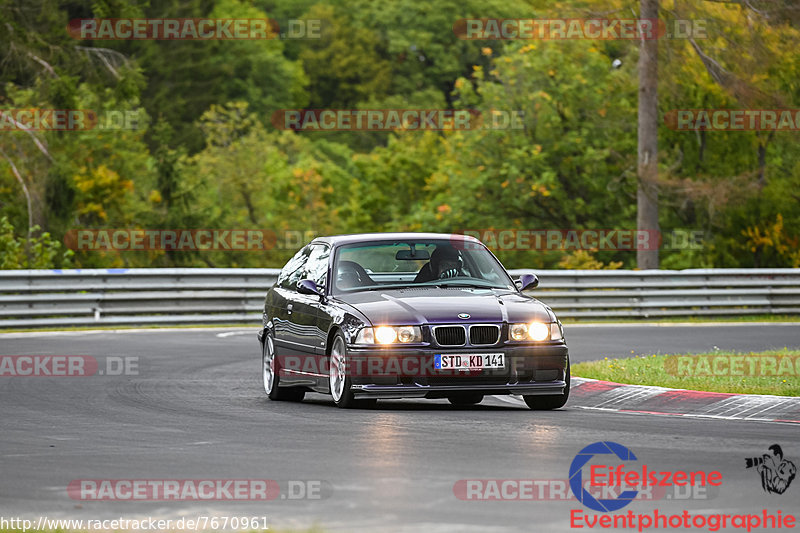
(527, 281)
(306, 286)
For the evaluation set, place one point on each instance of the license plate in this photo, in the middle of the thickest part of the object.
(447, 361)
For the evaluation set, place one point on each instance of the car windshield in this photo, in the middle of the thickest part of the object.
(417, 263)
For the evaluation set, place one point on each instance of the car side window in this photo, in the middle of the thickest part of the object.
(317, 265)
(294, 270)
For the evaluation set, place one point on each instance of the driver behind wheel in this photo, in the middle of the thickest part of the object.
(445, 263)
(449, 268)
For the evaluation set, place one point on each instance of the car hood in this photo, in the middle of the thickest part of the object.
(434, 305)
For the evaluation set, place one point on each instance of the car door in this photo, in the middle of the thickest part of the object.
(318, 271)
(307, 309)
(282, 304)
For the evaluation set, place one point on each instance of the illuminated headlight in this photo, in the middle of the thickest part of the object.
(389, 335)
(536, 331)
(385, 335)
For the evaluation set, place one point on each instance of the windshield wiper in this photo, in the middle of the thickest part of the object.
(465, 284)
(439, 284)
(387, 287)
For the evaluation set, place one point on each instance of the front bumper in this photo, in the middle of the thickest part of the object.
(529, 370)
(440, 391)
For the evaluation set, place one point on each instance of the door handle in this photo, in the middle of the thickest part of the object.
(289, 308)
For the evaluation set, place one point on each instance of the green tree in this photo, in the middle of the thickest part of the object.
(35, 252)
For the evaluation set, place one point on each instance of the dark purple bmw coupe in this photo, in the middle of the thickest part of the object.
(409, 315)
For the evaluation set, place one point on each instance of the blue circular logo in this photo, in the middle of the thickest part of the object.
(463, 316)
(576, 477)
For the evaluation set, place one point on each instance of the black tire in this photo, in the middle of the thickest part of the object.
(339, 379)
(469, 398)
(271, 380)
(545, 403)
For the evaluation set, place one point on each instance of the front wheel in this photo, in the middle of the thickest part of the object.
(339, 378)
(270, 377)
(554, 401)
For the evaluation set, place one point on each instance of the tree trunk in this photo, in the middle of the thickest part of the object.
(647, 195)
(762, 161)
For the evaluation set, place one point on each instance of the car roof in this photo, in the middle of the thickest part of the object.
(338, 240)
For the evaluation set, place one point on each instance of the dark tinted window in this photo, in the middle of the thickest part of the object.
(294, 270)
(317, 266)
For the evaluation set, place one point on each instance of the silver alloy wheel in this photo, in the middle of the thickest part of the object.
(268, 365)
(337, 374)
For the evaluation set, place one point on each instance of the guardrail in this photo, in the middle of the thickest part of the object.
(56, 298)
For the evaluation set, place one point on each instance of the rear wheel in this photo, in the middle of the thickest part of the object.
(465, 399)
(270, 377)
(339, 378)
(554, 401)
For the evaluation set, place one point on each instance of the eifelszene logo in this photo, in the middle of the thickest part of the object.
(619, 484)
(576, 476)
(776, 472)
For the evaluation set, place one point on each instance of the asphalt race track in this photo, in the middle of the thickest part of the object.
(195, 410)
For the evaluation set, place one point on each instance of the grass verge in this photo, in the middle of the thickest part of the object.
(774, 372)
